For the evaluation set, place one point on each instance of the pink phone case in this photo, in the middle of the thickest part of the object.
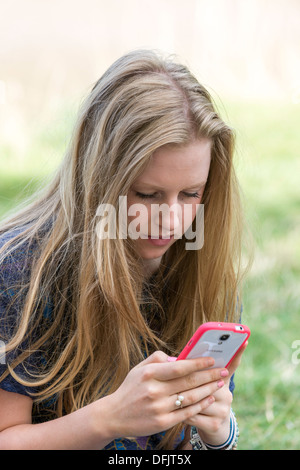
(222, 341)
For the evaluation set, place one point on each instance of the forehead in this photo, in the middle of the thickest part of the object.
(178, 164)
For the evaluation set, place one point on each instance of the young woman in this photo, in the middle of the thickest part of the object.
(91, 322)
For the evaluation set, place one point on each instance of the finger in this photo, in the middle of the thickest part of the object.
(203, 421)
(195, 380)
(156, 357)
(223, 396)
(173, 370)
(191, 397)
(185, 414)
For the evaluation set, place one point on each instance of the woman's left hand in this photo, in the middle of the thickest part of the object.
(213, 423)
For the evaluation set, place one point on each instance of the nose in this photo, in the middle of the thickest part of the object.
(167, 219)
(172, 218)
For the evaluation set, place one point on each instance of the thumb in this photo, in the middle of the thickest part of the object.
(236, 360)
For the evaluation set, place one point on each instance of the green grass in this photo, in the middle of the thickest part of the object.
(22, 171)
(268, 383)
(268, 165)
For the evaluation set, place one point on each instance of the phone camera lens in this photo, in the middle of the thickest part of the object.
(239, 328)
(224, 337)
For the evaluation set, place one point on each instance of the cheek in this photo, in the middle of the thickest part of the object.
(188, 216)
(138, 219)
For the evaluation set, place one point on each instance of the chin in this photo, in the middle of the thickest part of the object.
(148, 253)
(152, 254)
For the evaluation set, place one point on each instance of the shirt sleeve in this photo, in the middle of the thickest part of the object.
(11, 303)
(232, 384)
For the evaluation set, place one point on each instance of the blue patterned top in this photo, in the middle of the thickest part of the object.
(15, 272)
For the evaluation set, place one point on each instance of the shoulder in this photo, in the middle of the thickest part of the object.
(15, 239)
(16, 257)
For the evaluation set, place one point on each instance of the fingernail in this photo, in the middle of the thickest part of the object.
(171, 359)
(220, 383)
(224, 373)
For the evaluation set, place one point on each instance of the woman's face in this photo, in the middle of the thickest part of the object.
(174, 178)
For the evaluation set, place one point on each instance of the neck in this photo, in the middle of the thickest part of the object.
(150, 266)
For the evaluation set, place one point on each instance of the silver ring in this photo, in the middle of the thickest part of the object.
(179, 400)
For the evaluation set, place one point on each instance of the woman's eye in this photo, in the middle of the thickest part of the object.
(195, 195)
(145, 196)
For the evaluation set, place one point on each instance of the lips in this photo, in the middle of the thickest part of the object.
(159, 241)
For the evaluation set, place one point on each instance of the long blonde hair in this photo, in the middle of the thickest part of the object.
(100, 324)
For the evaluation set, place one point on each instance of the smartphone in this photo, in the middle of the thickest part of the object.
(222, 341)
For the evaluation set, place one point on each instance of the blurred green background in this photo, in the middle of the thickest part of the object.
(247, 54)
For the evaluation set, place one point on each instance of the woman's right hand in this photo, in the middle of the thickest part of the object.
(145, 402)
